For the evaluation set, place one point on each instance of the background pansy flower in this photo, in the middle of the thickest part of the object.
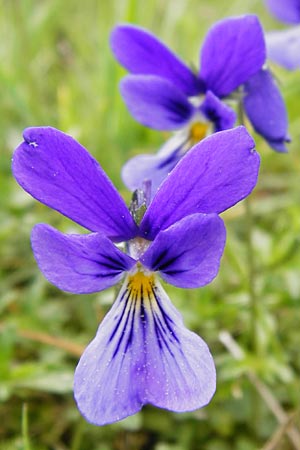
(164, 93)
(264, 106)
(156, 167)
(142, 352)
(283, 46)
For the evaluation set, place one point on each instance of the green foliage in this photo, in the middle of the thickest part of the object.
(56, 69)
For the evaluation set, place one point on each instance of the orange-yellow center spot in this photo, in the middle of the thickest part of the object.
(198, 131)
(140, 282)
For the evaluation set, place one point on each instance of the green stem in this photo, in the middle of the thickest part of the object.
(25, 434)
(254, 344)
(253, 298)
(254, 306)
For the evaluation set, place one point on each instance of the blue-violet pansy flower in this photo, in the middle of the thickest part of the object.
(162, 92)
(142, 352)
(283, 46)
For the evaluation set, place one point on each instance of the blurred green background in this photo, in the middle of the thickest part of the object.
(56, 69)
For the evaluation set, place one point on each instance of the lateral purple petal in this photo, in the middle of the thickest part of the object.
(59, 172)
(283, 47)
(188, 253)
(287, 11)
(217, 112)
(266, 110)
(155, 102)
(214, 175)
(154, 168)
(142, 353)
(233, 51)
(142, 53)
(78, 263)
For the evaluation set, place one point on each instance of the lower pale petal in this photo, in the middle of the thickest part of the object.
(154, 167)
(266, 110)
(78, 263)
(142, 353)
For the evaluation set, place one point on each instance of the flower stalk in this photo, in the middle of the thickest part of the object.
(253, 297)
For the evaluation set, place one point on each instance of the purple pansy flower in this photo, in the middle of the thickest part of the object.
(164, 93)
(142, 352)
(284, 46)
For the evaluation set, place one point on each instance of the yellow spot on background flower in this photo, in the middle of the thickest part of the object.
(198, 131)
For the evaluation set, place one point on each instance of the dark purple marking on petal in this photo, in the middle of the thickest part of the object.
(78, 263)
(287, 11)
(266, 109)
(142, 53)
(233, 50)
(188, 253)
(156, 102)
(142, 353)
(59, 172)
(217, 112)
(215, 174)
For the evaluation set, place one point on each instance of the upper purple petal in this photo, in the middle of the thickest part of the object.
(283, 47)
(142, 53)
(188, 253)
(266, 109)
(233, 51)
(217, 112)
(142, 353)
(59, 172)
(285, 10)
(154, 168)
(156, 102)
(214, 175)
(78, 263)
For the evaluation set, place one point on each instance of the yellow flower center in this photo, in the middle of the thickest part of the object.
(198, 131)
(141, 285)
